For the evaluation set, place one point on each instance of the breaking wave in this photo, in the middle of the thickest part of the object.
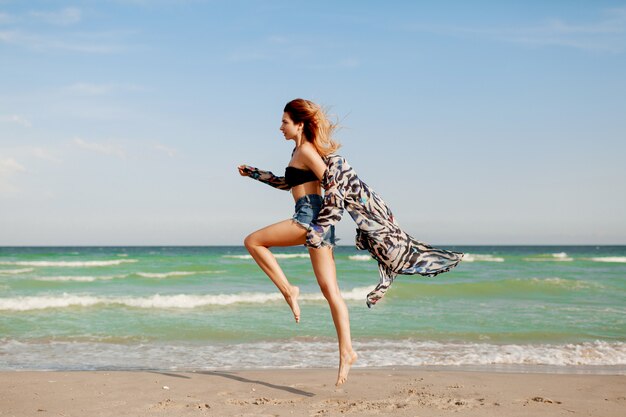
(276, 255)
(360, 257)
(15, 271)
(297, 353)
(616, 259)
(69, 264)
(158, 301)
(470, 257)
(166, 274)
(79, 278)
(552, 257)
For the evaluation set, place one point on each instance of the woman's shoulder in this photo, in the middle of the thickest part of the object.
(308, 151)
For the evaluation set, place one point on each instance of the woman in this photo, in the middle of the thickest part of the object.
(305, 123)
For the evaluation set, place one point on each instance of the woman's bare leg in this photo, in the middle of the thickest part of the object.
(326, 273)
(285, 233)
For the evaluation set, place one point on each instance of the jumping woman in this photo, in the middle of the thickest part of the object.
(307, 125)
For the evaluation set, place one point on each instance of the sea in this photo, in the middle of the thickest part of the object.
(522, 308)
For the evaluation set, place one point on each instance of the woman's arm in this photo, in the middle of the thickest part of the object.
(266, 177)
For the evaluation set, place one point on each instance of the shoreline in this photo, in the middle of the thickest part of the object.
(599, 357)
(534, 369)
(309, 392)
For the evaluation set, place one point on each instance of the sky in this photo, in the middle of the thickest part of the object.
(478, 122)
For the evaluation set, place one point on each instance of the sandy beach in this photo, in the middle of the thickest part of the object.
(310, 392)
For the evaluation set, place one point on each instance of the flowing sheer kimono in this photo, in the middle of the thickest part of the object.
(377, 231)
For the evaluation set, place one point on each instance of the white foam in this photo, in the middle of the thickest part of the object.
(435, 353)
(166, 274)
(182, 301)
(276, 255)
(41, 302)
(298, 353)
(553, 257)
(15, 271)
(357, 293)
(291, 255)
(565, 283)
(193, 301)
(470, 257)
(67, 264)
(359, 257)
(562, 256)
(80, 278)
(616, 259)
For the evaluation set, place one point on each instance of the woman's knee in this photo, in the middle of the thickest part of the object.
(250, 241)
(330, 292)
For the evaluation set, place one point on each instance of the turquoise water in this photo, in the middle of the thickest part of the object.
(213, 308)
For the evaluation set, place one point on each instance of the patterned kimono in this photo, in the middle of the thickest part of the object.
(377, 230)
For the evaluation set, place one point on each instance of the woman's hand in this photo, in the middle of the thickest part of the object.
(244, 170)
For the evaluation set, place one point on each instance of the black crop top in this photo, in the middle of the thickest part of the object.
(296, 176)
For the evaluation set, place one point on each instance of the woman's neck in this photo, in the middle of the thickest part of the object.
(299, 140)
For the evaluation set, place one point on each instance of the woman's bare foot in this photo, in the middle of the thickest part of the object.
(292, 300)
(345, 362)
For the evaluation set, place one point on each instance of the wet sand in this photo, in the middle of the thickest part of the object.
(311, 393)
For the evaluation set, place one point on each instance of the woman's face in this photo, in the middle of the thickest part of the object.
(289, 128)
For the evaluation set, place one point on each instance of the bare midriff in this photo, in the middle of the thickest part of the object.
(311, 187)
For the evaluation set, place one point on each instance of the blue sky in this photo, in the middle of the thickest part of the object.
(479, 122)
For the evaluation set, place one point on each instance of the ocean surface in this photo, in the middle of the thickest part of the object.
(552, 308)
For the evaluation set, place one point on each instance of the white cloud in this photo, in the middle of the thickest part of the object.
(43, 153)
(64, 17)
(7, 36)
(90, 89)
(59, 38)
(15, 118)
(5, 18)
(93, 89)
(8, 168)
(109, 149)
(169, 151)
(91, 43)
(303, 49)
(614, 22)
(605, 34)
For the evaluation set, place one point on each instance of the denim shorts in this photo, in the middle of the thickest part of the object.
(307, 209)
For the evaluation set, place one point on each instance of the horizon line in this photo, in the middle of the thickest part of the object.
(341, 246)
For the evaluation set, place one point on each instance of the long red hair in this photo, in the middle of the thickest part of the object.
(317, 128)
